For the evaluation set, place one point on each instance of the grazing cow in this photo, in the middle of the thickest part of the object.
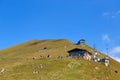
(48, 56)
(35, 71)
(60, 57)
(2, 70)
(41, 56)
(34, 57)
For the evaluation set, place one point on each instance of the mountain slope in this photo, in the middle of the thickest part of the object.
(19, 65)
(33, 47)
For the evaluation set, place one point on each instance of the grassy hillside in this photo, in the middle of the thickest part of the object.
(35, 47)
(19, 65)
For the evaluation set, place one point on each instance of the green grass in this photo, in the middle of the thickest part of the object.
(58, 69)
(19, 65)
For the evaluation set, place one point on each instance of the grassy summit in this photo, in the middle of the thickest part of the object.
(18, 64)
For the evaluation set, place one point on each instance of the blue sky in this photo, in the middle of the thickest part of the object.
(97, 21)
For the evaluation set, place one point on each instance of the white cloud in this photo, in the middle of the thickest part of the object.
(118, 12)
(115, 50)
(105, 37)
(105, 14)
(116, 58)
(112, 14)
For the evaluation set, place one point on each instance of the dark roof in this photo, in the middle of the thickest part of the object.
(82, 40)
(76, 49)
